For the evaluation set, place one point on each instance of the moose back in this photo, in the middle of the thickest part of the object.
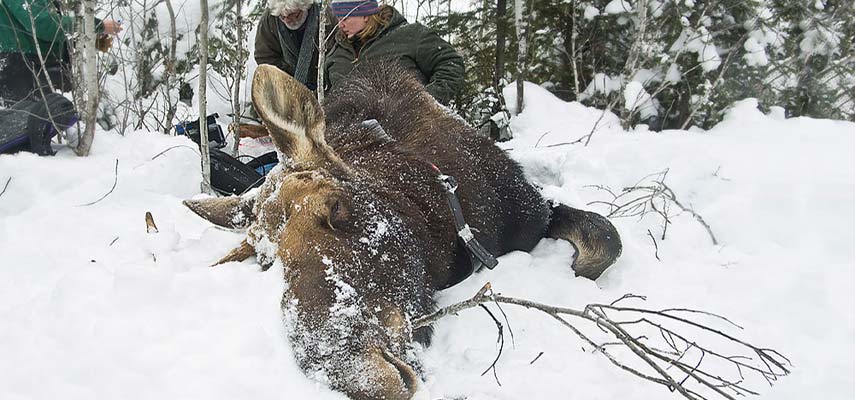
(359, 220)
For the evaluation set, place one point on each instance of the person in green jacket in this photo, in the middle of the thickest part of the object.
(33, 63)
(367, 31)
(30, 26)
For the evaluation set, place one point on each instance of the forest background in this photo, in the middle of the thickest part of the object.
(666, 64)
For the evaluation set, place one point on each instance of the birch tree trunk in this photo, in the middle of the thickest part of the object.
(87, 76)
(203, 99)
(169, 78)
(573, 51)
(238, 79)
(520, 22)
(322, 48)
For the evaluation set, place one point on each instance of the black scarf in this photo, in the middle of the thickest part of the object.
(307, 45)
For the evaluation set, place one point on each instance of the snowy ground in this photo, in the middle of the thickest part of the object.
(92, 307)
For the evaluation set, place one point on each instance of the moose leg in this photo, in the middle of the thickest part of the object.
(596, 240)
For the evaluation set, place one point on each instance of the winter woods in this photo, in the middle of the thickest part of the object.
(667, 64)
(671, 64)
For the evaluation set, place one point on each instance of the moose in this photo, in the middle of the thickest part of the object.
(358, 217)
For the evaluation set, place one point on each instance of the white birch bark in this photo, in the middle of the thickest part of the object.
(322, 48)
(169, 79)
(238, 80)
(87, 76)
(522, 49)
(203, 99)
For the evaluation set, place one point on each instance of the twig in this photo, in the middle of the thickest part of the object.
(115, 181)
(541, 138)
(6, 186)
(655, 246)
(691, 211)
(500, 341)
(476, 300)
(174, 147)
(536, 358)
(645, 201)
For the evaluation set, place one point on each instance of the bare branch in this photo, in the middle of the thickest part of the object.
(672, 368)
(6, 186)
(115, 181)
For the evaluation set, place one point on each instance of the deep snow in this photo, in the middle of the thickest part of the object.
(93, 307)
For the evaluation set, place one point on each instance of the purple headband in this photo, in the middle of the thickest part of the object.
(355, 8)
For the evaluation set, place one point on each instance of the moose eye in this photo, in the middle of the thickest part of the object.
(339, 213)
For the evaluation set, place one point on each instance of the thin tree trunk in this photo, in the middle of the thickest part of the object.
(520, 22)
(501, 34)
(322, 48)
(89, 78)
(170, 67)
(632, 60)
(238, 80)
(573, 50)
(203, 111)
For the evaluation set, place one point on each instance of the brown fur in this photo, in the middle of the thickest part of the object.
(361, 224)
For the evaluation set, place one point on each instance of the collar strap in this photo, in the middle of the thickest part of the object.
(479, 256)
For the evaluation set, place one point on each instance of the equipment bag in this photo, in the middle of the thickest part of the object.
(230, 176)
(29, 125)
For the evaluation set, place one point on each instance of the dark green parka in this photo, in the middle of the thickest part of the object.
(17, 33)
(434, 61)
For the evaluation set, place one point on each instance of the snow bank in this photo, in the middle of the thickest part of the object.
(95, 308)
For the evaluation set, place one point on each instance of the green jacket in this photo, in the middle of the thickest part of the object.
(436, 64)
(16, 27)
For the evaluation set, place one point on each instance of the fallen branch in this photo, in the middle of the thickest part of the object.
(115, 181)
(678, 368)
(6, 186)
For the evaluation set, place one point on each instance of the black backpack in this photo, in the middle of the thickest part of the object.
(230, 176)
(30, 124)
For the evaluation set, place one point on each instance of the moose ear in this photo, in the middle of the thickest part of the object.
(339, 213)
(291, 113)
(233, 212)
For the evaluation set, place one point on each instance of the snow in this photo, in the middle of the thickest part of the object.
(636, 98)
(700, 42)
(618, 7)
(601, 83)
(820, 40)
(591, 12)
(93, 307)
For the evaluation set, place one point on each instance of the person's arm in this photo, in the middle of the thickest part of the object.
(267, 47)
(441, 65)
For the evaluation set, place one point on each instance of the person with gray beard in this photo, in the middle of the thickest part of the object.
(288, 38)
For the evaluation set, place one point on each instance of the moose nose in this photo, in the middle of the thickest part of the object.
(392, 378)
